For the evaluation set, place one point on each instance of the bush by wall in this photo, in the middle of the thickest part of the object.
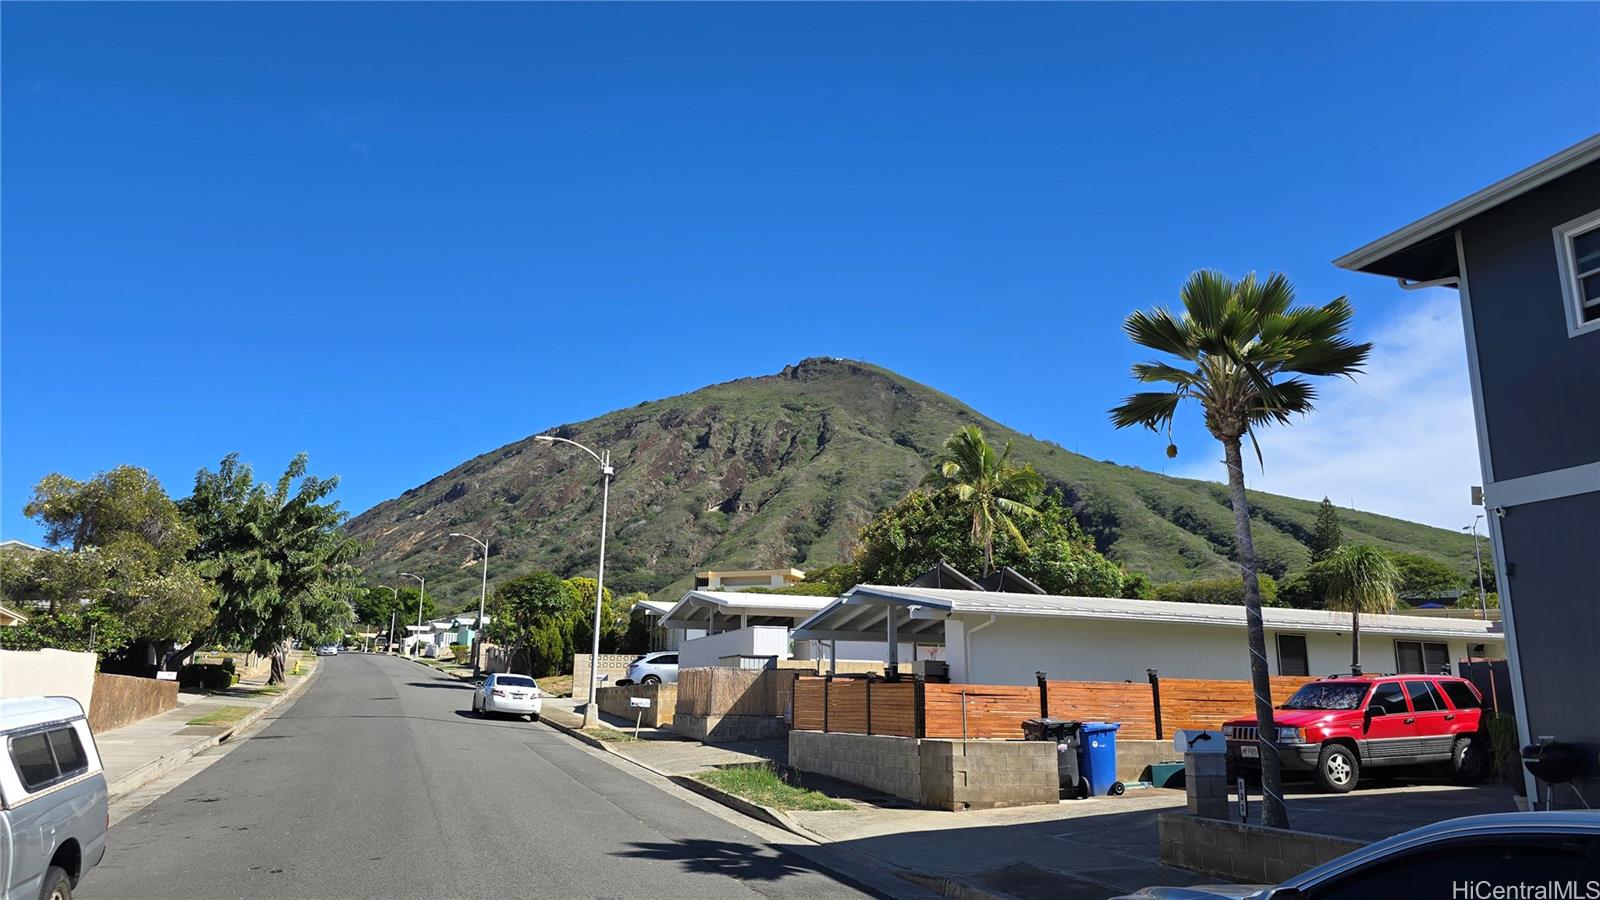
(206, 677)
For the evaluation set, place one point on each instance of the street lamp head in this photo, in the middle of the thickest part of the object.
(544, 438)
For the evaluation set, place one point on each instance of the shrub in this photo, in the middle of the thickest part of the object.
(1226, 591)
(1505, 751)
(461, 651)
(205, 677)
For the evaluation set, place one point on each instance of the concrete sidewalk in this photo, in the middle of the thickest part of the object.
(1097, 847)
(139, 753)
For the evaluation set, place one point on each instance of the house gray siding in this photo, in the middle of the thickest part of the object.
(1541, 388)
(1553, 549)
(1541, 409)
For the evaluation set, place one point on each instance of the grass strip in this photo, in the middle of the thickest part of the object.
(770, 786)
(223, 715)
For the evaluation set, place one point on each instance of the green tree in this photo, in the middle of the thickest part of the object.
(276, 552)
(1241, 347)
(925, 528)
(1326, 535)
(615, 613)
(1218, 591)
(536, 615)
(990, 490)
(1424, 577)
(122, 548)
(1358, 578)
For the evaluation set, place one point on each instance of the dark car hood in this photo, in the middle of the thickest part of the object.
(1200, 892)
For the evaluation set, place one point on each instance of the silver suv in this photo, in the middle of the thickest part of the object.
(54, 811)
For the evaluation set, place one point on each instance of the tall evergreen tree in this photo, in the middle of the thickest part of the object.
(1326, 536)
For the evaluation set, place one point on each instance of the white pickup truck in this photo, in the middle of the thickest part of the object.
(54, 811)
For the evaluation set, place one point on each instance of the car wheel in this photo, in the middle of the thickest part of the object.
(57, 886)
(1337, 768)
(534, 717)
(650, 679)
(1468, 763)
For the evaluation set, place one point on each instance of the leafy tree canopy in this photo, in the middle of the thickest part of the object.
(1222, 591)
(925, 527)
(276, 552)
(1423, 576)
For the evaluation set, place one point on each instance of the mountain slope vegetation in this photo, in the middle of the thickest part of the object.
(784, 470)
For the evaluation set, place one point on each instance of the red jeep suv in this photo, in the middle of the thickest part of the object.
(1335, 727)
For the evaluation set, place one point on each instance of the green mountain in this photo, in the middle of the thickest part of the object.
(783, 470)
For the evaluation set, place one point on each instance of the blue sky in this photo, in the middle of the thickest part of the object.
(396, 236)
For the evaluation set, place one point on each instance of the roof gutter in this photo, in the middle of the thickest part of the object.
(1453, 281)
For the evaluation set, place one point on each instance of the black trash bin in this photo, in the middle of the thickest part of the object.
(1067, 738)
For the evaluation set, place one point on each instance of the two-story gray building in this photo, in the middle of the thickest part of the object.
(1524, 254)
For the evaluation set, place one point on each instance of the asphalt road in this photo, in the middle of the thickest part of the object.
(377, 782)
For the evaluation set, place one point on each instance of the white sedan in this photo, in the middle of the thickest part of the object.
(516, 695)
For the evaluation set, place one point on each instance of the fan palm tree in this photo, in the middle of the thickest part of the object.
(1358, 578)
(1240, 348)
(995, 492)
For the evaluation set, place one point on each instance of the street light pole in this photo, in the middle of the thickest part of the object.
(591, 711)
(390, 646)
(483, 594)
(421, 593)
(1483, 600)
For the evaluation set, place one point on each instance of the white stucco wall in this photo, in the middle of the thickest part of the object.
(47, 673)
(1014, 647)
(757, 640)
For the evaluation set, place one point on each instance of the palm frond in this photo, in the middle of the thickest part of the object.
(1161, 372)
(1158, 330)
(1205, 297)
(1152, 409)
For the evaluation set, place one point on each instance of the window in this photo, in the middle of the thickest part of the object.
(1578, 255)
(671, 659)
(514, 681)
(1421, 700)
(1388, 699)
(1461, 696)
(1292, 655)
(1421, 658)
(1432, 871)
(45, 757)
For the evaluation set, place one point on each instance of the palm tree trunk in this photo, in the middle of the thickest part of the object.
(1275, 815)
(1355, 640)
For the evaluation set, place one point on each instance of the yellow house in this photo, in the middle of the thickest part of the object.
(742, 579)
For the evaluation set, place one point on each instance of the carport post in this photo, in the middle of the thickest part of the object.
(894, 646)
(1044, 695)
(1155, 699)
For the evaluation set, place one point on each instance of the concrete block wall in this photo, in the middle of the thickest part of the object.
(1249, 854)
(958, 775)
(727, 729)
(888, 764)
(613, 664)
(944, 774)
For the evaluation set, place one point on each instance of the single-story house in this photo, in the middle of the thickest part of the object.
(9, 616)
(439, 634)
(662, 637)
(1004, 638)
(741, 624)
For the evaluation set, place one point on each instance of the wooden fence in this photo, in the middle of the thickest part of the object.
(862, 706)
(121, 699)
(718, 691)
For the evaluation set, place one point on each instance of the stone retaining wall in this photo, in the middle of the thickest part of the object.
(613, 664)
(1249, 854)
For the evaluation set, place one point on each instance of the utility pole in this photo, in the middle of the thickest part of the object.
(422, 592)
(483, 593)
(1477, 548)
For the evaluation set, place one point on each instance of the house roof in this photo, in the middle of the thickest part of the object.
(26, 712)
(1424, 249)
(862, 614)
(17, 614)
(695, 608)
(21, 546)
(654, 607)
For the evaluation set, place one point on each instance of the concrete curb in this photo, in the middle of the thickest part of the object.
(766, 814)
(161, 765)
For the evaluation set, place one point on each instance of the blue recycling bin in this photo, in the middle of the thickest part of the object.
(1097, 757)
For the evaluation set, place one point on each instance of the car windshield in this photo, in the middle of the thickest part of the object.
(1333, 695)
(514, 681)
